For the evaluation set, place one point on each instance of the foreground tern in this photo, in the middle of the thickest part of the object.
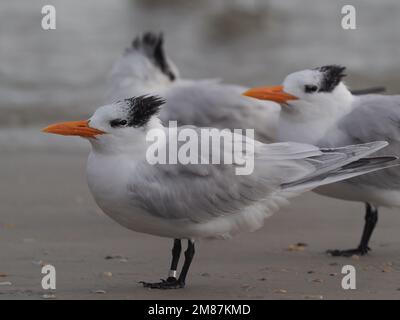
(318, 108)
(195, 201)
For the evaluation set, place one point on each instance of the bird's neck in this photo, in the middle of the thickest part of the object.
(309, 123)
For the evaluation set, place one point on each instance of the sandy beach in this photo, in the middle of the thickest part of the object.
(48, 216)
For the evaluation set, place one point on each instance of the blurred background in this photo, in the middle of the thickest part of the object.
(51, 75)
(46, 211)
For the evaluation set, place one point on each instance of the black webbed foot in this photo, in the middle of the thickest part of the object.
(170, 283)
(360, 251)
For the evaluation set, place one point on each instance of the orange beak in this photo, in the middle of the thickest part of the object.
(275, 93)
(73, 128)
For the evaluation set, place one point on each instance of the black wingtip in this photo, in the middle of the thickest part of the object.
(369, 161)
(152, 45)
(147, 39)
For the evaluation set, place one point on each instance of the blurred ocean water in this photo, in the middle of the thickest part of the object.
(59, 74)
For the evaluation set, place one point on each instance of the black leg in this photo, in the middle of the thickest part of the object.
(176, 254)
(189, 254)
(371, 218)
(172, 282)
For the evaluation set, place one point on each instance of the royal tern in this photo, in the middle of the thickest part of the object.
(318, 108)
(144, 68)
(195, 201)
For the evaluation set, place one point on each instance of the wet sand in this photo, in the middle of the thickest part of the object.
(47, 215)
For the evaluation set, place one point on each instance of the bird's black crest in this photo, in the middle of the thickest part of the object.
(142, 108)
(152, 46)
(333, 74)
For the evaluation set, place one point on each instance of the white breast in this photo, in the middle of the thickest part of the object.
(108, 180)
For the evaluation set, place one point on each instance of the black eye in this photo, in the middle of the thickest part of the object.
(118, 123)
(310, 88)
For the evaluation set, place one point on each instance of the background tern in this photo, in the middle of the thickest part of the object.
(198, 201)
(145, 68)
(318, 108)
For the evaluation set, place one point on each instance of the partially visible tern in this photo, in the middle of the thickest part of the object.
(195, 201)
(145, 68)
(318, 108)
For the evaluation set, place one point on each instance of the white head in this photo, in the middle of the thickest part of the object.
(311, 93)
(117, 127)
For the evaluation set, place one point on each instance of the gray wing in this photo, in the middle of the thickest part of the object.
(144, 68)
(375, 117)
(201, 192)
(209, 103)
